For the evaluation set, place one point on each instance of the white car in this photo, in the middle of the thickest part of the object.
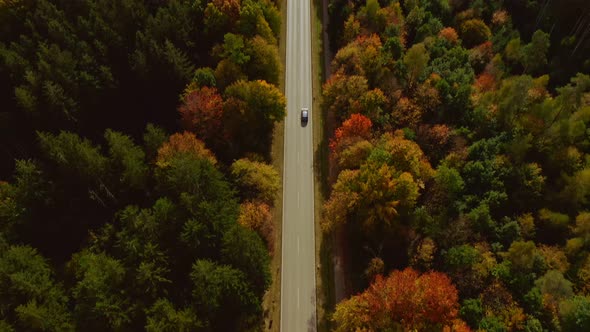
(304, 116)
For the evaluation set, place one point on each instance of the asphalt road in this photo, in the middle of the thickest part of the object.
(298, 294)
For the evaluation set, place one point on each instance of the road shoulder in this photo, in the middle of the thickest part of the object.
(271, 304)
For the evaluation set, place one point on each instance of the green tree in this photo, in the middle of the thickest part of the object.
(55, 68)
(253, 20)
(234, 49)
(206, 197)
(165, 47)
(493, 323)
(533, 301)
(474, 32)
(522, 255)
(221, 287)
(127, 159)
(204, 192)
(461, 257)
(260, 97)
(220, 16)
(555, 286)
(227, 72)
(582, 228)
(74, 155)
(416, 60)
(9, 213)
(534, 54)
(513, 50)
(5, 327)
(372, 10)
(415, 17)
(162, 316)
(574, 314)
(431, 27)
(264, 61)
(99, 292)
(30, 299)
(245, 250)
(83, 192)
(454, 85)
(449, 180)
(471, 311)
(576, 191)
(153, 138)
(353, 156)
(555, 224)
(252, 108)
(204, 77)
(139, 239)
(22, 201)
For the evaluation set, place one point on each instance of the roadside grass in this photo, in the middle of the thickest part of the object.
(323, 244)
(271, 303)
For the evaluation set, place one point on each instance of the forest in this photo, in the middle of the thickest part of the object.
(135, 184)
(459, 164)
(136, 187)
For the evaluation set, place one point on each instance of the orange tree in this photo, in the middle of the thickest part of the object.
(404, 298)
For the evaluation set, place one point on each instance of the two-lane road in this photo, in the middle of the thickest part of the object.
(298, 293)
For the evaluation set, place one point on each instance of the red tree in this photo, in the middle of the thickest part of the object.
(417, 302)
(202, 111)
(357, 125)
(485, 82)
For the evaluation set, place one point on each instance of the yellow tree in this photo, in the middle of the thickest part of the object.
(386, 185)
(415, 60)
(256, 180)
(343, 92)
(257, 217)
(343, 200)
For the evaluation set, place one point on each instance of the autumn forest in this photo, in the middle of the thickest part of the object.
(134, 149)
(138, 190)
(459, 165)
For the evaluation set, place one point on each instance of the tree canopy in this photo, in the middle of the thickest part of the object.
(466, 154)
(120, 121)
